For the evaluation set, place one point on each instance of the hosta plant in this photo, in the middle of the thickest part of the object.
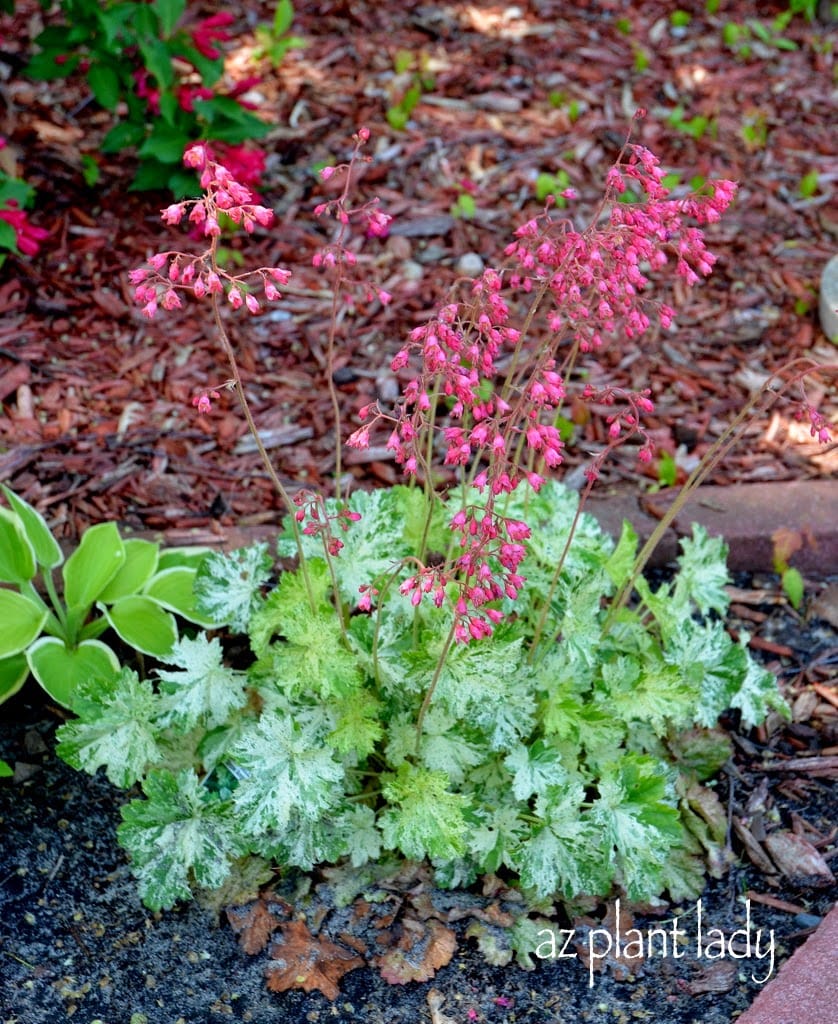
(107, 583)
(452, 669)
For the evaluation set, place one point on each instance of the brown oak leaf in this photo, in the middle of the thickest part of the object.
(305, 961)
(422, 959)
(614, 943)
(253, 924)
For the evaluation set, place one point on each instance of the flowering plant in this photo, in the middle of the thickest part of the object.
(160, 77)
(17, 233)
(448, 673)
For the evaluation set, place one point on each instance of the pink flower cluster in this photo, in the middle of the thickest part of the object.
(376, 223)
(166, 274)
(597, 277)
(311, 507)
(485, 571)
(502, 390)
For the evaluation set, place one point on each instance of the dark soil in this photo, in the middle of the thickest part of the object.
(75, 941)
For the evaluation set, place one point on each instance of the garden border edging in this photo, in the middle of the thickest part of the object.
(746, 515)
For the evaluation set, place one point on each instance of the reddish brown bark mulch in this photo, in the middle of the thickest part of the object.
(96, 416)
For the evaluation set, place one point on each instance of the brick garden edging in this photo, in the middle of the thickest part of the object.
(805, 990)
(746, 515)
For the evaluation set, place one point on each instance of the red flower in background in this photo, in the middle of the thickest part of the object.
(209, 31)
(187, 94)
(246, 165)
(29, 237)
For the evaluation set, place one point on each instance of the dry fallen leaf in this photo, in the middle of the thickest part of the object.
(253, 924)
(718, 977)
(309, 963)
(424, 955)
(623, 954)
(798, 860)
(435, 1001)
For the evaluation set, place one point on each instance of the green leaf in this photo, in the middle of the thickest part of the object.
(283, 17)
(114, 729)
(534, 769)
(169, 12)
(710, 663)
(124, 135)
(757, 692)
(808, 184)
(92, 565)
(177, 558)
(178, 835)
(287, 611)
(638, 822)
(139, 566)
(142, 624)
(667, 470)
(47, 550)
(285, 765)
(425, 819)
(14, 672)
(204, 691)
(154, 174)
(17, 556)
(158, 61)
(165, 144)
(62, 670)
(316, 662)
(358, 726)
(22, 618)
(228, 586)
(104, 84)
(8, 237)
(621, 562)
(173, 589)
(564, 852)
(6, 770)
(702, 572)
(793, 586)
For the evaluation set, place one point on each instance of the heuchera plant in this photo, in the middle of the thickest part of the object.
(161, 78)
(452, 675)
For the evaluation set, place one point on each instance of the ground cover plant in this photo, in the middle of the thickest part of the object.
(452, 676)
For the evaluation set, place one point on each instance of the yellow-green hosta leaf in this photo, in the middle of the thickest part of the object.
(61, 669)
(173, 589)
(17, 556)
(190, 558)
(92, 566)
(139, 566)
(22, 620)
(47, 551)
(143, 624)
(13, 673)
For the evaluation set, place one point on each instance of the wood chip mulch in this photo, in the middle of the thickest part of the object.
(97, 421)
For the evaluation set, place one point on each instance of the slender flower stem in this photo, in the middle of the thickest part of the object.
(227, 346)
(333, 391)
(426, 703)
(729, 437)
